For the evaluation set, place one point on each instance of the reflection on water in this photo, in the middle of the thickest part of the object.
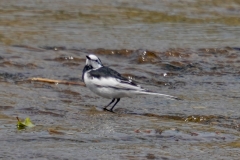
(186, 49)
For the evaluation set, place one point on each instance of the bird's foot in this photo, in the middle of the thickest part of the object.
(105, 109)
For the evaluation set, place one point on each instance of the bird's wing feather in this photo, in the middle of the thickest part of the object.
(105, 76)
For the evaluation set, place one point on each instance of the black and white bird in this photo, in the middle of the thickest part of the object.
(108, 83)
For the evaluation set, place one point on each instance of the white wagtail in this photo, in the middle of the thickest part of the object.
(108, 83)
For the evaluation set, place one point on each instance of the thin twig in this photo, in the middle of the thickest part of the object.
(55, 81)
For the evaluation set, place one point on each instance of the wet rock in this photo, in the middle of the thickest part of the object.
(172, 54)
(197, 118)
(123, 52)
(147, 57)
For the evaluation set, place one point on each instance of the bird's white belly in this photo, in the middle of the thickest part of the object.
(108, 92)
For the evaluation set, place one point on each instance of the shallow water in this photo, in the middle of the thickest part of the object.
(186, 49)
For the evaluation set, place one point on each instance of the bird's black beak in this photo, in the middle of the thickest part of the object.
(88, 58)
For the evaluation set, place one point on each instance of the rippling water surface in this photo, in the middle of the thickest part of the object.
(189, 49)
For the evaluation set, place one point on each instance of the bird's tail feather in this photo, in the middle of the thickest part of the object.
(147, 92)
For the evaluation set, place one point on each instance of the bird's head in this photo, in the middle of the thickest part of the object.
(93, 61)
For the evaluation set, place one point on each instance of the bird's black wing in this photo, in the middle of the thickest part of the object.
(108, 72)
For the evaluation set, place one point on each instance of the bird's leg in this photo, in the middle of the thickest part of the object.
(111, 110)
(105, 108)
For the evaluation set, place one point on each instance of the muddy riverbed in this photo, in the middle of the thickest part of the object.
(186, 49)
